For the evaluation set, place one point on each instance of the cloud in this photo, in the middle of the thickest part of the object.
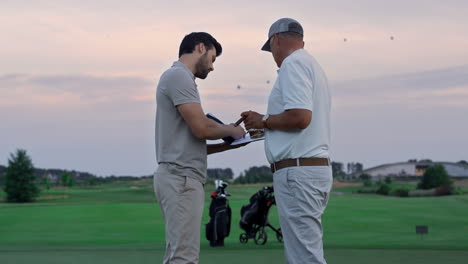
(66, 90)
(443, 87)
(87, 84)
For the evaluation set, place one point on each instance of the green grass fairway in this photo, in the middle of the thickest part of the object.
(121, 223)
(232, 256)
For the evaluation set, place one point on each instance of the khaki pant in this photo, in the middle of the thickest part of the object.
(181, 200)
(301, 195)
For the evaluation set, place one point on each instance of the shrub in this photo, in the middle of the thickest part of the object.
(444, 190)
(401, 192)
(459, 191)
(367, 190)
(435, 176)
(421, 193)
(367, 183)
(383, 189)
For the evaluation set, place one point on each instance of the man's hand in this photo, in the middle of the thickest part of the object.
(291, 119)
(252, 120)
(238, 131)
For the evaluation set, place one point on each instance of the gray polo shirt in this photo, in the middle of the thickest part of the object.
(178, 151)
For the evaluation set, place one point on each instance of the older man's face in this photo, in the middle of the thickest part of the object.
(275, 51)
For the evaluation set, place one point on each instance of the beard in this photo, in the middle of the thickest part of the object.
(201, 68)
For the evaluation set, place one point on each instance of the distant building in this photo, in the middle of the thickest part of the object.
(53, 178)
(414, 169)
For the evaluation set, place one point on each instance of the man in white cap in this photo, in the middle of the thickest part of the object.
(297, 141)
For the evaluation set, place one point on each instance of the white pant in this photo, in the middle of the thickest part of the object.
(301, 195)
(181, 200)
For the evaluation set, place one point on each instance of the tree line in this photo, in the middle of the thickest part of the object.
(21, 181)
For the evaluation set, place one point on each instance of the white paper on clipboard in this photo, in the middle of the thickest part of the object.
(246, 139)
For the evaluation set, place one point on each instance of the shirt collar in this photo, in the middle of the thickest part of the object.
(290, 55)
(179, 64)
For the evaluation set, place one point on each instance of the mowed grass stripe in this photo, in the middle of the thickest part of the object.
(384, 222)
(221, 255)
(125, 215)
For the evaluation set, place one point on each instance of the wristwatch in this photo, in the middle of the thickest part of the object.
(264, 121)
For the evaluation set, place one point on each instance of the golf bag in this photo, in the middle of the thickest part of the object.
(254, 217)
(219, 225)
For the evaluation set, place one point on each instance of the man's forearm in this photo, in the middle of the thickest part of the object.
(210, 130)
(215, 148)
(289, 120)
(203, 127)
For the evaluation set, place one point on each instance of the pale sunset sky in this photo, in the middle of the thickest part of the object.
(78, 78)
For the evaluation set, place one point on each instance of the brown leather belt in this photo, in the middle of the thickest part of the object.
(299, 162)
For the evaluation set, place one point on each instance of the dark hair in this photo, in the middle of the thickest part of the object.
(191, 40)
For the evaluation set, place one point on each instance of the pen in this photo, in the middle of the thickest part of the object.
(239, 121)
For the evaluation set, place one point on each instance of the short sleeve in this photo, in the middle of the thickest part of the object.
(295, 80)
(181, 88)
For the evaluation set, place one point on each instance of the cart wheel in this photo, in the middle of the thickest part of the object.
(260, 237)
(279, 236)
(243, 238)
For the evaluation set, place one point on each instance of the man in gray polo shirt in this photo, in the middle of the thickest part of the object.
(181, 150)
(297, 141)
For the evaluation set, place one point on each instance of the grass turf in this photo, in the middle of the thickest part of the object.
(228, 256)
(122, 222)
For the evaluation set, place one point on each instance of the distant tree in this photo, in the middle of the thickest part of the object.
(224, 174)
(47, 182)
(2, 175)
(366, 179)
(462, 162)
(93, 181)
(359, 167)
(354, 167)
(337, 170)
(383, 189)
(388, 180)
(435, 176)
(20, 186)
(255, 175)
(426, 160)
(240, 179)
(71, 181)
(66, 179)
